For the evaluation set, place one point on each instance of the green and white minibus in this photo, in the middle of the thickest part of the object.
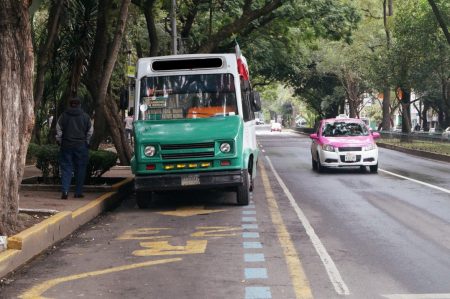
(194, 126)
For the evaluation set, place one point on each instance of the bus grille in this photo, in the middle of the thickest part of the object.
(187, 146)
(187, 151)
(188, 155)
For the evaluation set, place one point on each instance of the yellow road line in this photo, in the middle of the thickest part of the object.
(299, 280)
(37, 291)
(189, 211)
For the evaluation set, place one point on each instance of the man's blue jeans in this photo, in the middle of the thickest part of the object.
(73, 159)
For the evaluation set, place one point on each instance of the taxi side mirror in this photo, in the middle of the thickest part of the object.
(313, 136)
(375, 135)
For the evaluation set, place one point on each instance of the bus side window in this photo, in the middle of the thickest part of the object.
(247, 107)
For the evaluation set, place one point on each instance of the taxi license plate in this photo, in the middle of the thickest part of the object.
(350, 157)
(190, 180)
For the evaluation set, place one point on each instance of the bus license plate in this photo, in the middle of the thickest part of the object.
(190, 180)
(350, 157)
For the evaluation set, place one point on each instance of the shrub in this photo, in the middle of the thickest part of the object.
(47, 160)
(31, 153)
(100, 162)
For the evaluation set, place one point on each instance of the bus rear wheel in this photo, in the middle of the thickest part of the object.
(143, 199)
(243, 191)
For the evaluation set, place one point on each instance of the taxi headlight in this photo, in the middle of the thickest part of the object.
(225, 147)
(328, 147)
(149, 151)
(370, 147)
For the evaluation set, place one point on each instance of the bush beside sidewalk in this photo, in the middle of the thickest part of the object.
(69, 216)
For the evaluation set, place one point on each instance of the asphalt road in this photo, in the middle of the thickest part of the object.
(340, 234)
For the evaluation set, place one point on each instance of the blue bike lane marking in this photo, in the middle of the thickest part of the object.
(253, 257)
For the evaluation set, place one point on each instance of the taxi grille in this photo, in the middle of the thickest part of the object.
(350, 149)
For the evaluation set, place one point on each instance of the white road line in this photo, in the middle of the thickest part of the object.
(418, 296)
(415, 181)
(333, 273)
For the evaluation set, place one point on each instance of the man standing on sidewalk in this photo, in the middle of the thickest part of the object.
(73, 133)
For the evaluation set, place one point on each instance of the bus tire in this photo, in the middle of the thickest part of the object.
(143, 199)
(243, 191)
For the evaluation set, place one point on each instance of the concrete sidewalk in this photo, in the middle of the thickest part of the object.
(68, 215)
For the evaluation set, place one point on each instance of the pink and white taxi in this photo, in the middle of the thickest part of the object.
(341, 142)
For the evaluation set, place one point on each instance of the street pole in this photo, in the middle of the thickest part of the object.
(174, 27)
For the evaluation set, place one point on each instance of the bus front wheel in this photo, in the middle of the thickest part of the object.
(243, 191)
(143, 199)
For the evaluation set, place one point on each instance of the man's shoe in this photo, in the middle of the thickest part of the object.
(64, 195)
(78, 196)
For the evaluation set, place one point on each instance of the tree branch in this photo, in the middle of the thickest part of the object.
(440, 20)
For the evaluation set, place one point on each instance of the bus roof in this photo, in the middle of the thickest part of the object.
(187, 63)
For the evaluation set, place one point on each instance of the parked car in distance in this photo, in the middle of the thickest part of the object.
(275, 127)
(341, 142)
(259, 121)
(446, 133)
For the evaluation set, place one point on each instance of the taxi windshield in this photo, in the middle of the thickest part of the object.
(343, 129)
(187, 96)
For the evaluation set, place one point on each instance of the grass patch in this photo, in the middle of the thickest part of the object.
(442, 148)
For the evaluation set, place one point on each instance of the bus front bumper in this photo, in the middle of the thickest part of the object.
(199, 180)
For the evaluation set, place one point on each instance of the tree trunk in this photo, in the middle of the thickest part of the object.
(190, 18)
(16, 105)
(45, 52)
(95, 70)
(386, 124)
(151, 27)
(118, 132)
(446, 102)
(425, 125)
(406, 111)
(386, 109)
(248, 16)
(440, 20)
(102, 63)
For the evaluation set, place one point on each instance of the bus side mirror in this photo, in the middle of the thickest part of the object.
(256, 100)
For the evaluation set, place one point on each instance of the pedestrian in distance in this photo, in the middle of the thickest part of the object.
(73, 134)
(129, 125)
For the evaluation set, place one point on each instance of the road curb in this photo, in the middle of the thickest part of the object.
(31, 242)
(413, 152)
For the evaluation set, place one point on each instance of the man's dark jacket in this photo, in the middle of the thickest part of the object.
(74, 128)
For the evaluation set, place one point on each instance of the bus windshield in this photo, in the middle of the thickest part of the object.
(187, 96)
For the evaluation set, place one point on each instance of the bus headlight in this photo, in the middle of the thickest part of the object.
(225, 147)
(149, 151)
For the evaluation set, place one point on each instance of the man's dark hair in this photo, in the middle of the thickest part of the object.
(74, 102)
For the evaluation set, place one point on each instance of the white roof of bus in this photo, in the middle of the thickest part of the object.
(144, 64)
